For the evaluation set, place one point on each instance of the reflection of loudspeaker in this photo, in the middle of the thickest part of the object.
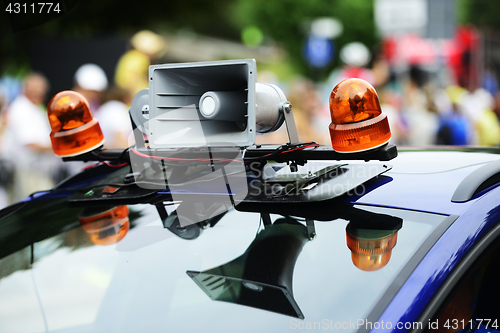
(175, 91)
(262, 276)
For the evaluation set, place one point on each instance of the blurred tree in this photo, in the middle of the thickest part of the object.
(112, 18)
(283, 21)
(481, 13)
(286, 22)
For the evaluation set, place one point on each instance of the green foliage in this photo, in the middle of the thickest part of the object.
(462, 11)
(113, 18)
(482, 13)
(282, 20)
(286, 22)
(251, 36)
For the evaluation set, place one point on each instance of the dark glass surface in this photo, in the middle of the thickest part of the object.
(52, 277)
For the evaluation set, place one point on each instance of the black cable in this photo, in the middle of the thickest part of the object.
(284, 149)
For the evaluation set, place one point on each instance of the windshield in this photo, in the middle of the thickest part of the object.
(65, 269)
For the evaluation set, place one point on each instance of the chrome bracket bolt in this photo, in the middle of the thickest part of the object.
(287, 107)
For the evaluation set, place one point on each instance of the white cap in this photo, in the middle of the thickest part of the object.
(355, 54)
(91, 77)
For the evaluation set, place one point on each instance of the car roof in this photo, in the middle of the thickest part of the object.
(426, 180)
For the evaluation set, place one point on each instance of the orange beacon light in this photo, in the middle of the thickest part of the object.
(370, 249)
(74, 130)
(358, 123)
(105, 226)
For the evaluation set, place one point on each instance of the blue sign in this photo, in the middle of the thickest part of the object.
(318, 51)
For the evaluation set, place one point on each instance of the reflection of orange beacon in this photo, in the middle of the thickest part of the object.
(358, 123)
(105, 226)
(370, 249)
(74, 130)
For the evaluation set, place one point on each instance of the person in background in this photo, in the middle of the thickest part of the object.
(487, 124)
(419, 109)
(355, 57)
(478, 106)
(3, 117)
(311, 116)
(496, 107)
(90, 81)
(114, 118)
(5, 169)
(132, 69)
(454, 127)
(390, 103)
(26, 140)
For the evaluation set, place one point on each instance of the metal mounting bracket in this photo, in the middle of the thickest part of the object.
(293, 136)
(311, 230)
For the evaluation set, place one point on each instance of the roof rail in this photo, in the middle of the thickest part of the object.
(477, 181)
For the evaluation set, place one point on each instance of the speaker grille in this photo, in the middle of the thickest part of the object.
(175, 91)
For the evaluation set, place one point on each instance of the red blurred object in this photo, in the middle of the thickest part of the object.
(462, 57)
(410, 49)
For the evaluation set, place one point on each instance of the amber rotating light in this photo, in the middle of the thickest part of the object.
(74, 130)
(105, 226)
(370, 249)
(358, 123)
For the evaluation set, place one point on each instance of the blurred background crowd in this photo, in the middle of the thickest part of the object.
(434, 63)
